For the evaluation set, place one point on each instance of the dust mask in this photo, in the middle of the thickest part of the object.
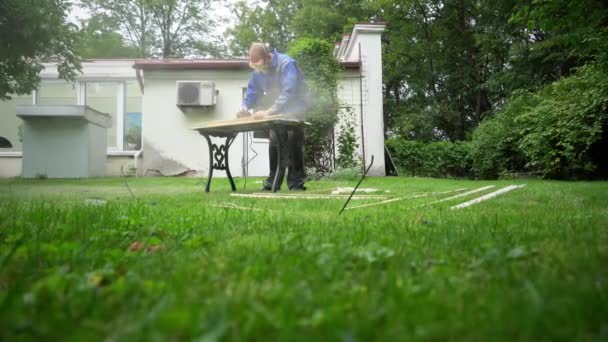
(259, 66)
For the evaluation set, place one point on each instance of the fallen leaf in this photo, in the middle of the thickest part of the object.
(136, 246)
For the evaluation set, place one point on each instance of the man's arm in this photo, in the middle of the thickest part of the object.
(253, 92)
(289, 84)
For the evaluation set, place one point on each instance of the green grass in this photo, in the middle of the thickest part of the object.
(529, 265)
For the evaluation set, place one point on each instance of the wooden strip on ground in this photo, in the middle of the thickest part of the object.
(488, 196)
(233, 206)
(305, 196)
(402, 198)
(385, 202)
(461, 195)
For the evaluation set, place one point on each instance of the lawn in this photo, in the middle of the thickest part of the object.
(158, 259)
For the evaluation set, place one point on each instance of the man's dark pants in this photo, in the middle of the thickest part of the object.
(291, 142)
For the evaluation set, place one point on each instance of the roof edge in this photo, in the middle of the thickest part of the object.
(210, 64)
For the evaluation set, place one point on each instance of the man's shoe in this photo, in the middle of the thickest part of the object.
(268, 188)
(298, 188)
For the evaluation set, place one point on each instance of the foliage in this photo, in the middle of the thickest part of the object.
(495, 143)
(550, 132)
(315, 60)
(438, 56)
(562, 35)
(437, 159)
(345, 173)
(261, 23)
(99, 39)
(134, 138)
(133, 17)
(163, 28)
(408, 155)
(569, 118)
(32, 32)
(280, 22)
(180, 25)
(450, 64)
(347, 140)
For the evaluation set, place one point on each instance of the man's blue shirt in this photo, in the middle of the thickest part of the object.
(283, 80)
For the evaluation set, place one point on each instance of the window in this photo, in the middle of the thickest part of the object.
(104, 97)
(120, 99)
(132, 131)
(56, 93)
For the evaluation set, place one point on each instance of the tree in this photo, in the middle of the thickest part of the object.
(165, 28)
(32, 32)
(438, 58)
(555, 38)
(266, 23)
(180, 24)
(280, 22)
(449, 64)
(133, 17)
(99, 39)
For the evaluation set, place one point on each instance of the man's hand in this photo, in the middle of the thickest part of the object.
(242, 113)
(261, 114)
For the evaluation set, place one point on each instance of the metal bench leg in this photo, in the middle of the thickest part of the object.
(218, 159)
(208, 185)
(278, 169)
(229, 141)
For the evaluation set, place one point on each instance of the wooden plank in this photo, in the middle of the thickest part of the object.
(461, 195)
(306, 196)
(402, 198)
(487, 197)
(248, 123)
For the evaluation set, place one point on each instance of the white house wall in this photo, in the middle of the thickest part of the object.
(349, 93)
(116, 165)
(365, 45)
(171, 146)
(96, 69)
(373, 102)
(10, 166)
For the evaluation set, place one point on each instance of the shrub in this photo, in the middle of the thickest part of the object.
(315, 59)
(407, 154)
(446, 159)
(569, 118)
(550, 132)
(347, 141)
(436, 159)
(494, 149)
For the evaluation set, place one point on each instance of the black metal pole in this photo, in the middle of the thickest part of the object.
(356, 187)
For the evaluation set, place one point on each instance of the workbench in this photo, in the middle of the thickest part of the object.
(227, 130)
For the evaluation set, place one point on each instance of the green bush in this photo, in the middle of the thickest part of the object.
(550, 132)
(557, 133)
(494, 148)
(316, 60)
(407, 154)
(347, 141)
(446, 159)
(437, 159)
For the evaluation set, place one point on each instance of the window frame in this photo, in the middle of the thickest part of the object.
(121, 96)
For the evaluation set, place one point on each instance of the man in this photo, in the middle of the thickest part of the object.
(277, 87)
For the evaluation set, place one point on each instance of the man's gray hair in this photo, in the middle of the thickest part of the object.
(261, 47)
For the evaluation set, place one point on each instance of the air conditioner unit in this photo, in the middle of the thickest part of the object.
(195, 93)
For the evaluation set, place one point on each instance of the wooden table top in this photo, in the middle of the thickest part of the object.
(247, 124)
